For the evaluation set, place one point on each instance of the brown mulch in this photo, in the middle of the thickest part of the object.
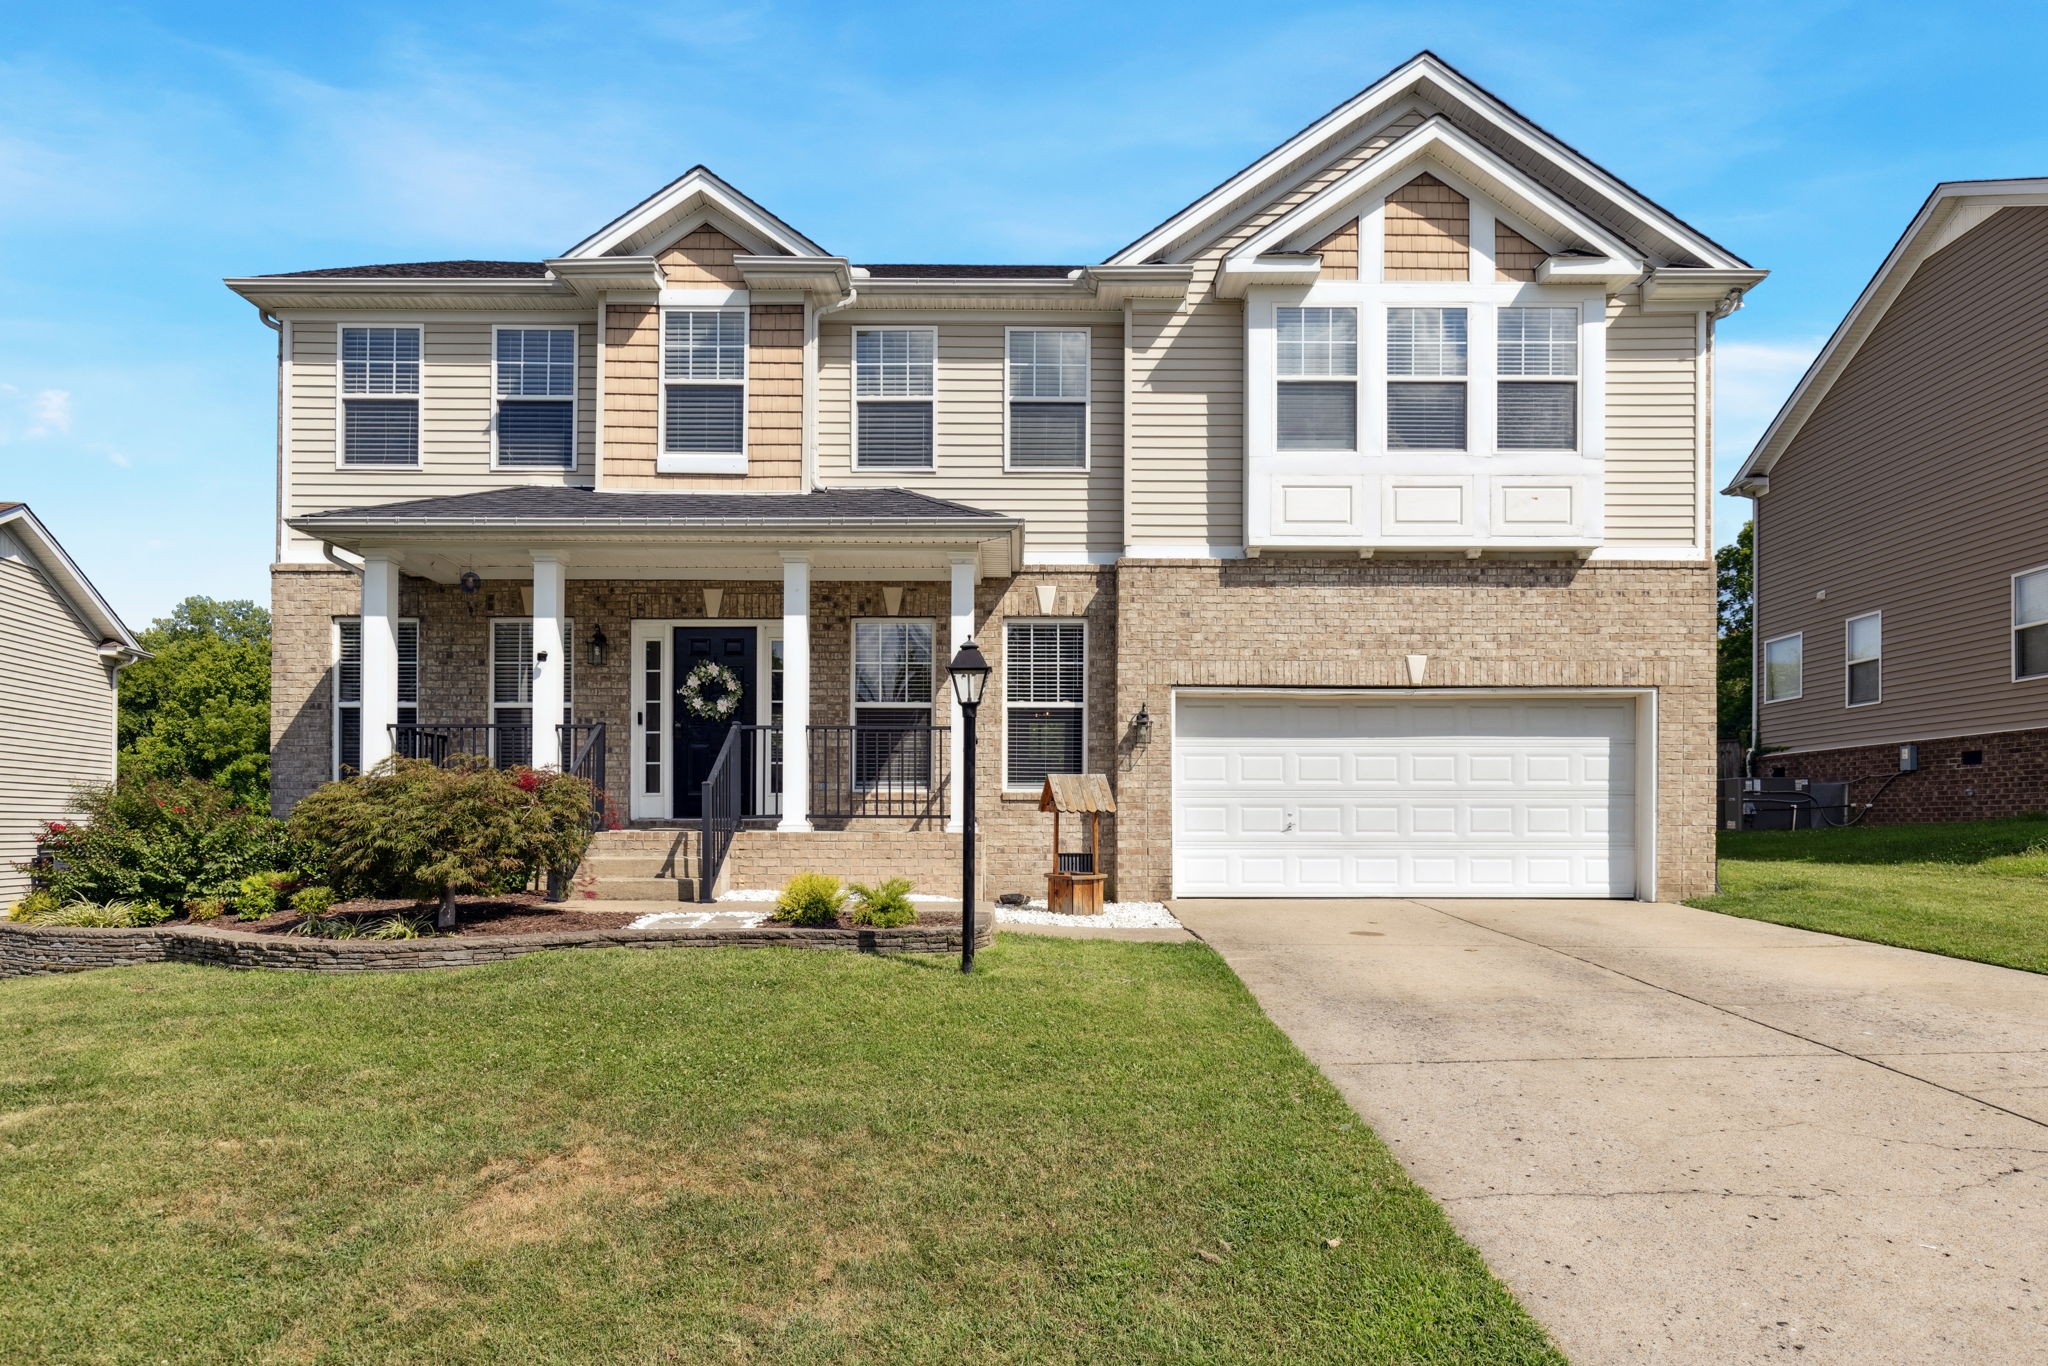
(519, 913)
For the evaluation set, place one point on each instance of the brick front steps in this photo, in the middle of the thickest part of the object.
(659, 863)
(31, 950)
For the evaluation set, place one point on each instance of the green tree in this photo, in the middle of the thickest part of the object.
(1735, 574)
(200, 706)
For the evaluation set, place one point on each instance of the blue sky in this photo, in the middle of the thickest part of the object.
(148, 151)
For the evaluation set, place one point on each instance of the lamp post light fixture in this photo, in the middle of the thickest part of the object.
(969, 671)
(599, 647)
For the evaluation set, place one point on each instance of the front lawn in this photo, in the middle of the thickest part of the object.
(1087, 1152)
(1975, 889)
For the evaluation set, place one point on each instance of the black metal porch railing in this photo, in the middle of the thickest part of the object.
(745, 780)
(879, 770)
(444, 743)
(583, 755)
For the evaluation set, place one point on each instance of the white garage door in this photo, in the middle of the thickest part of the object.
(1406, 796)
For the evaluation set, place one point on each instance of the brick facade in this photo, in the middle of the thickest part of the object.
(1152, 626)
(2009, 777)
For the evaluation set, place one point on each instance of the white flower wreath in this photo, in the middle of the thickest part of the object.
(719, 708)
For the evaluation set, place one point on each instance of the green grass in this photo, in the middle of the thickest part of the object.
(1975, 889)
(747, 1156)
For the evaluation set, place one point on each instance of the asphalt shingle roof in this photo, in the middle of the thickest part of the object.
(424, 270)
(553, 504)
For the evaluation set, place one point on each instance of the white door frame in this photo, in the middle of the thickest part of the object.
(660, 805)
(1645, 743)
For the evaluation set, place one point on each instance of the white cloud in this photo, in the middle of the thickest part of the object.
(50, 413)
(1752, 380)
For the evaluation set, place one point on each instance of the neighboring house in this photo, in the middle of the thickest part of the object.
(61, 649)
(1902, 525)
(1354, 521)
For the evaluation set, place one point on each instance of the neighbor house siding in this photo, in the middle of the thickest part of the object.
(1653, 437)
(1066, 512)
(1918, 487)
(56, 711)
(456, 412)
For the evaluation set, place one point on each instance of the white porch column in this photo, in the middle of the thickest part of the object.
(550, 663)
(956, 734)
(380, 657)
(796, 693)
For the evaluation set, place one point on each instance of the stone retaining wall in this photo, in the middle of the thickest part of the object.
(31, 950)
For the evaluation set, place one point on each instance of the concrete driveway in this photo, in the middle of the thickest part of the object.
(1682, 1137)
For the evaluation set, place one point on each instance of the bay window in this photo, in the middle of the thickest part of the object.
(1316, 357)
(1426, 368)
(1538, 366)
(536, 394)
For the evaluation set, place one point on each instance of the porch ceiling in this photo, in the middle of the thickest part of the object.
(846, 533)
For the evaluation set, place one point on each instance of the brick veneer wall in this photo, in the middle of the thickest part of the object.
(1299, 622)
(2012, 779)
(38, 950)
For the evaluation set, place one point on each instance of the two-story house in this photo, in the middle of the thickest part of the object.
(1353, 520)
(1902, 614)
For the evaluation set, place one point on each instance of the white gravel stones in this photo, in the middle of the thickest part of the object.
(1116, 915)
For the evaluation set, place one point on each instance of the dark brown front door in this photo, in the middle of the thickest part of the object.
(698, 737)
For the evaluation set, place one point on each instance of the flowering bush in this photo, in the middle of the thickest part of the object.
(408, 828)
(161, 840)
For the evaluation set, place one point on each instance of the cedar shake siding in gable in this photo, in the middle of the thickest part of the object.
(1340, 252)
(1428, 232)
(701, 259)
(1515, 257)
(1917, 488)
(56, 711)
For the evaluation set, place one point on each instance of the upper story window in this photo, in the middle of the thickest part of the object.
(704, 374)
(1426, 367)
(380, 395)
(1863, 641)
(1316, 356)
(895, 372)
(1048, 377)
(1784, 668)
(1538, 365)
(2030, 624)
(536, 386)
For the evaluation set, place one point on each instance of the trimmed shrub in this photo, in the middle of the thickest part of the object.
(205, 908)
(256, 895)
(810, 899)
(157, 839)
(36, 904)
(885, 906)
(411, 829)
(314, 901)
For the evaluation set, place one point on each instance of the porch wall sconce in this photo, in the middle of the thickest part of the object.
(1141, 726)
(597, 649)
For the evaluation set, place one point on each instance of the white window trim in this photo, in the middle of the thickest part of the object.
(854, 704)
(1087, 334)
(2014, 626)
(498, 400)
(338, 707)
(1848, 659)
(1577, 379)
(491, 703)
(1359, 404)
(1764, 660)
(1087, 671)
(679, 462)
(419, 398)
(853, 391)
(1479, 344)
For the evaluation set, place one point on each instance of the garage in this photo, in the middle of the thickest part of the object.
(1410, 793)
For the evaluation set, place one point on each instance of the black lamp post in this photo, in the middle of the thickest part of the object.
(970, 675)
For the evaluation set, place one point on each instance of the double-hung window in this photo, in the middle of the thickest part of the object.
(1784, 668)
(380, 395)
(1863, 649)
(1048, 399)
(2030, 624)
(348, 688)
(1045, 681)
(1426, 365)
(704, 382)
(512, 665)
(536, 386)
(1316, 357)
(1538, 393)
(892, 703)
(895, 374)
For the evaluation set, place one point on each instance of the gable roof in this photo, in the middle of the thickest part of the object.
(696, 188)
(70, 581)
(1952, 209)
(423, 270)
(1428, 81)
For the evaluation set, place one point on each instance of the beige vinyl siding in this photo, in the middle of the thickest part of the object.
(1339, 251)
(1515, 257)
(1653, 474)
(456, 412)
(1066, 512)
(1187, 426)
(775, 387)
(1428, 228)
(56, 711)
(1918, 487)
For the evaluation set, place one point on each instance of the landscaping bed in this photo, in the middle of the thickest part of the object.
(1968, 889)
